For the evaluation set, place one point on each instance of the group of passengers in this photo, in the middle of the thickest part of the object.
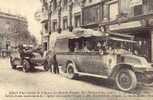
(101, 47)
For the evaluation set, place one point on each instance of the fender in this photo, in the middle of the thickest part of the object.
(74, 63)
(116, 68)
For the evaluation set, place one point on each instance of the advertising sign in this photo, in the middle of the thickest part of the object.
(135, 3)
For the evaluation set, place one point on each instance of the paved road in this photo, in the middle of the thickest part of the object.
(40, 85)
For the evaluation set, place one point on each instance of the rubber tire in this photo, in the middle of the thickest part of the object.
(26, 66)
(46, 66)
(133, 80)
(71, 67)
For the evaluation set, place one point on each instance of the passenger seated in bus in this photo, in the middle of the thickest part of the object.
(120, 49)
(110, 50)
(135, 52)
(99, 48)
(76, 47)
(104, 47)
(87, 47)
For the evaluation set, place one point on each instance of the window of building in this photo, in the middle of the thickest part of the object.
(113, 11)
(65, 3)
(124, 7)
(136, 7)
(92, 14)
(65, 23)
(149, 4)
(54, 4)
(77, 20)
(138, 10)
(54, 25)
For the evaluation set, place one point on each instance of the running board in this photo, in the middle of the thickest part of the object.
(93, 75)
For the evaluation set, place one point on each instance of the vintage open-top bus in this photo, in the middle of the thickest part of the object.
(104, 55)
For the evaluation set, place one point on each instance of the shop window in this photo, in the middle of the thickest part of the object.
(65, 23)
(113, 11)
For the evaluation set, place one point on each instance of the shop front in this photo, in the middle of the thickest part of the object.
(142, 35)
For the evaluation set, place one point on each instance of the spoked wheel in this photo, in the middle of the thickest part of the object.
(71, 71)
(46, 66)
(126, 80)
(26, 66)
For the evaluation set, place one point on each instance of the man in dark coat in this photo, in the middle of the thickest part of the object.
(53, 62)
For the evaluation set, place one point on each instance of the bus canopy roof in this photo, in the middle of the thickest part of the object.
(80, 32)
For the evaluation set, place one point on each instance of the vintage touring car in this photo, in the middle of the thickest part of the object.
(104, 55)
(28, 57)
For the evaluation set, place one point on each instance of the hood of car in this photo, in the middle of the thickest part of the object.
(135, 60)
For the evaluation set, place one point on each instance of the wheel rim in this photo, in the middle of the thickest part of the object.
(70, 70)
(124, 80)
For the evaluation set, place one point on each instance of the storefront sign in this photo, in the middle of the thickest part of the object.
(135, 3)
(128, 25)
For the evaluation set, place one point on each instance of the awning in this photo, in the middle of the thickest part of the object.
(121, 40)
(121, 34)
(66, 35)
(80, 32)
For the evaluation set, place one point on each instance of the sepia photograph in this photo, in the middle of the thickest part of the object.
(76, 49)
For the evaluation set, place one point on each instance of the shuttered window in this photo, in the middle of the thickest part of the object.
(92, 14)
(150, 4)
(138, 10)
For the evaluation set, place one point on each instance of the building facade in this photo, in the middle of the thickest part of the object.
(13, 31)
(134, 17)
(131, 17)
(59, 15)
